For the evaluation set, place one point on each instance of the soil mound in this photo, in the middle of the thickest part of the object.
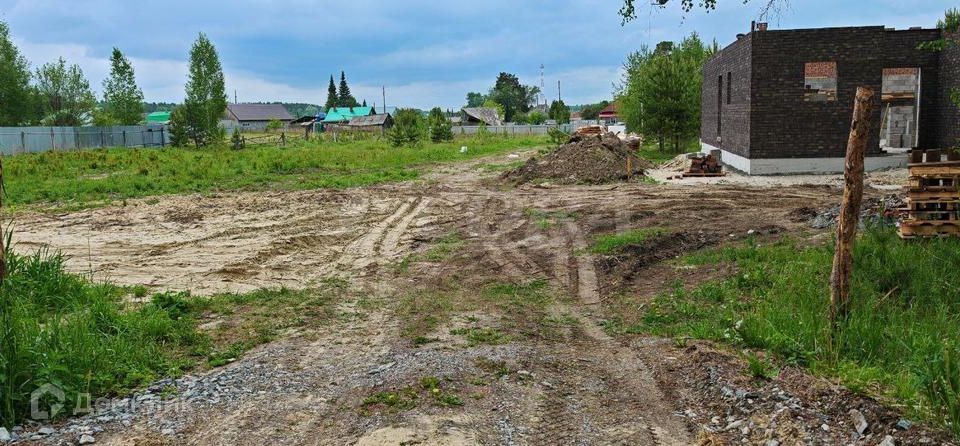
(584, 159)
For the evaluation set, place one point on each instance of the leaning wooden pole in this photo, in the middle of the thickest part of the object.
(850, 207)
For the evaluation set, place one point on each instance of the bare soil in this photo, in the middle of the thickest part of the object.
(571, 384)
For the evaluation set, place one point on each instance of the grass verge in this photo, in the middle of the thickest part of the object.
(900, 342)
(95, 177)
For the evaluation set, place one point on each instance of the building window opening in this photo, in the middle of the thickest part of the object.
(900, 108)
(820, 81)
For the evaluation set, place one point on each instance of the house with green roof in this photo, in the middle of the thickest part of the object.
(158, 117)
(343, 115)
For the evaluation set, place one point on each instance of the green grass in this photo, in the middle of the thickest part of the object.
(611, 243)
(96, 177)
(85, 338)
(900, 342)
(649, 150)
(546, 219)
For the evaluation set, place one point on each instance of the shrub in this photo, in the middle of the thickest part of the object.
(408, 128)
(536, 118)
(274, 124)
(179, 129)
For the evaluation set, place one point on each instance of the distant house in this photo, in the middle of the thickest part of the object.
(158, 117)
(609, 114)
(372, 123)
(343, 115)
(456, 120)
(257, 116)
(477, 115)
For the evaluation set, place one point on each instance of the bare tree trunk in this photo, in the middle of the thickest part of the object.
(850, 207)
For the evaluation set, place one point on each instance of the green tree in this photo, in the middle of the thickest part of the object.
(559, 112)
(123, 100)
(592, 111)
(660, 94)
(440, 128)
(206, 98)
(331, 95)
(65, 94)
(475, 99)
(344, 98)
(408, 128)
(514, 97)
(179, 127)
(16, 96)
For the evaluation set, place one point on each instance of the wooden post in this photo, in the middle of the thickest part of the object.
(850, 207)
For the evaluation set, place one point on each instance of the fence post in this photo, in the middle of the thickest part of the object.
(103, 140)
(283, 139)
(163, 142)
(23, 141)
(53, 142)
(124, 138)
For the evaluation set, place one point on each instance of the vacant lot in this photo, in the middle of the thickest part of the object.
(97, 177)
(457, 310)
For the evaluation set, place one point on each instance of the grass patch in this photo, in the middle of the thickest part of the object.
(443, 248)
(84, 178)
(429, 389)
(546, 219)
(611, 243)
(494, 168)
(900, 342)
(649, 150)
(84, 338)
(521, 308)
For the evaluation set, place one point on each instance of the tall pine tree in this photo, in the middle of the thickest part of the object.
(16, 104)
(123, 100)
(331, 95)
(206, 94)
(344, 98)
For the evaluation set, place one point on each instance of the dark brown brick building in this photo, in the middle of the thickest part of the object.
(780, 101)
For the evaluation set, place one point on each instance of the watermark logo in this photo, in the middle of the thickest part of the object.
(50, 397)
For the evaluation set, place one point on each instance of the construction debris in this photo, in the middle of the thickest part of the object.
(707, 166)
(594, 130)
(933, 202)
(584, 159)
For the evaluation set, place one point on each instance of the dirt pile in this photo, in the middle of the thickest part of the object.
(584, 159)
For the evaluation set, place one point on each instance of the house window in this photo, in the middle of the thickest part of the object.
(820, 81)
(729, 89)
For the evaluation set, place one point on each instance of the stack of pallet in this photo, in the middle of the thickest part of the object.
(707, 166)
(933, 203)
(590, 130)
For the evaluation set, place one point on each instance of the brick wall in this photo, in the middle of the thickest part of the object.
(733, 61)
(783, 125)
(949, 117)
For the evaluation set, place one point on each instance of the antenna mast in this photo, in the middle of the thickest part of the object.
(542, 87)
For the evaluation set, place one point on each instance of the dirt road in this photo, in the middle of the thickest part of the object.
(571, 384)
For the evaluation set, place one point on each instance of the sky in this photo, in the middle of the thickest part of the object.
(424, 53)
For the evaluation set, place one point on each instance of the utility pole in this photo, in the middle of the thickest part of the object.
(543, 88)
(235, 96)
(384, 90)
(559, 98)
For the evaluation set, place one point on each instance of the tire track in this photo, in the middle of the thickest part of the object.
(360, 252)
(391, 242)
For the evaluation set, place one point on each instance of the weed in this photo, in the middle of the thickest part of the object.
(476, 336)
(759, 367)
(443, 248)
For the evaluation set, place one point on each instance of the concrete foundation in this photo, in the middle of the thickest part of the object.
(788, 166)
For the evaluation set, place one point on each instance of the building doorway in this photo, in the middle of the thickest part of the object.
(900, 108)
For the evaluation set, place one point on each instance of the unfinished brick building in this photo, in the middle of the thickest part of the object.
(780, 101)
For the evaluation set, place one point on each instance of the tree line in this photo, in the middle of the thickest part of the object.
(58, 94)
(517, 103)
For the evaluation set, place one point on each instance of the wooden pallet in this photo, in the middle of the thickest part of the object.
(704, 174)
(929, 228)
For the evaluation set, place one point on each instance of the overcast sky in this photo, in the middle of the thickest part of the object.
(426, 53)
